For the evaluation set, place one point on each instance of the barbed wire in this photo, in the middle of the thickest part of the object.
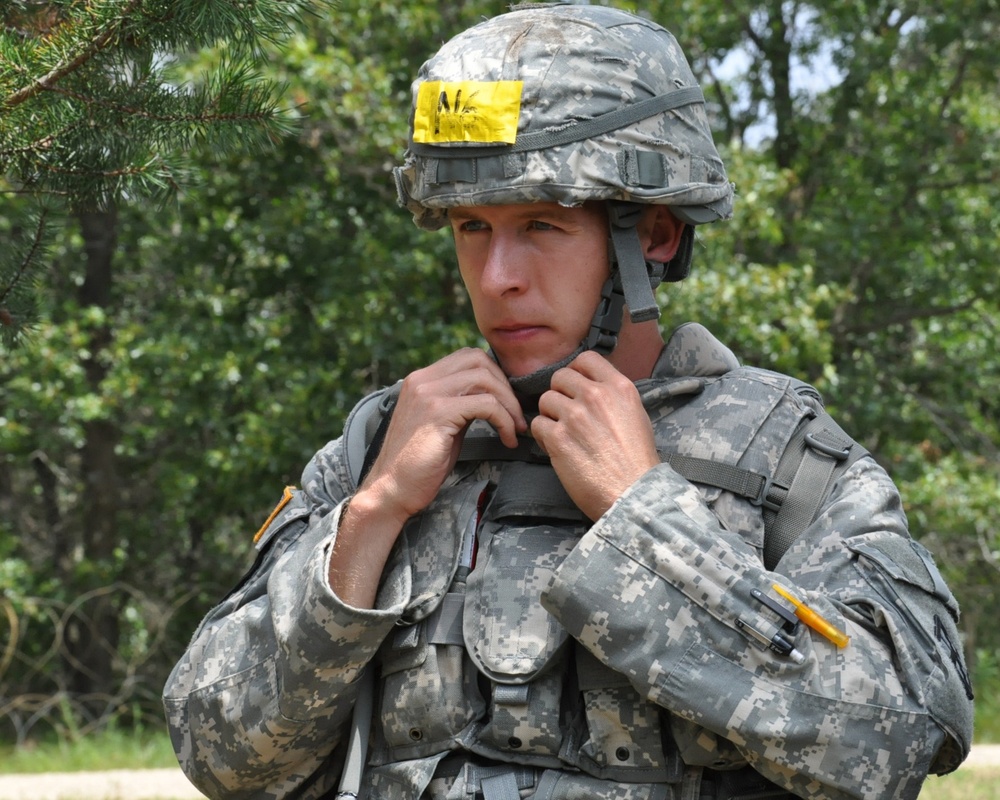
(41, 669)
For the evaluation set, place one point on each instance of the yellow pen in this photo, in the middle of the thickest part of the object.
(814, 620)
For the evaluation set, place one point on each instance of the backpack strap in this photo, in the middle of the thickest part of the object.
(349, 787)
(364, 433)
(818, 452)
(365, 430)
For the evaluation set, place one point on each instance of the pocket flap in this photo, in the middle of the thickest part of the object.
(508, 634)
(433, 544)
(905, 560)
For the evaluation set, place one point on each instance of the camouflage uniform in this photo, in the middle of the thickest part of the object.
(597, 661)
(638, 656)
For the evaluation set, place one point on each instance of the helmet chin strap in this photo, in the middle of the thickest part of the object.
(631, 284)
(537, 383)
(633, 278)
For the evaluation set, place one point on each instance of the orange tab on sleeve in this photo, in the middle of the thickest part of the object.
(288, 494)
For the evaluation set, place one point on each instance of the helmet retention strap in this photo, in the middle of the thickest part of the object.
(637, 275)
(632, 280)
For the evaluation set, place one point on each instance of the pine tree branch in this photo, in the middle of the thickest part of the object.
(22, 268)
(46, 82)
(141, 113)
(34, 147)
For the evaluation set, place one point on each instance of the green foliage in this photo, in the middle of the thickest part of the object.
(875, 187)
(92, 111)
(115, 748)
(983, 783)
(283, 290)
(986, 680)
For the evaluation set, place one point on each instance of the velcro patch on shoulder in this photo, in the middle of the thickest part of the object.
(904, 559)
(467, 111)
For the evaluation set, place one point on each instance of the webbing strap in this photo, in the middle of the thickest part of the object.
(743, 482)
(574, 131)
(511, 694)
(820, 449)
(444, 626)
(500, 787)
(486, 446)
(354, 765)
(500, 781)
(733, 479)
(632, 267)
(532, 490)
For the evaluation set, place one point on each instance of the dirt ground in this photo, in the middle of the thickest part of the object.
(170, 784)
(148, 784)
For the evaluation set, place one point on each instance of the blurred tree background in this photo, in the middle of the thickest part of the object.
(190, 354)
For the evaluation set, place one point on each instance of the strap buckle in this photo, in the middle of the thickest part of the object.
(771, 496)
(607, 321)
(830, 447)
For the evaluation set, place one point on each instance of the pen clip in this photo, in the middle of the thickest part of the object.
(790, 622)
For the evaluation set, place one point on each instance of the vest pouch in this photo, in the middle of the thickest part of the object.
(409, 779)
(622, 736)
(529, 527)
(428, 689)
(515, 643)
(429, 694)
(524, 719)
(430, 546)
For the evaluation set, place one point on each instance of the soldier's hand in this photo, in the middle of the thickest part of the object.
(424, 437)
(593, 426)
(421, 446)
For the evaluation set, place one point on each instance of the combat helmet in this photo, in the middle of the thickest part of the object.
(568, 103)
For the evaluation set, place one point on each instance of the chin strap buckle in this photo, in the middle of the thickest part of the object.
(607, 321)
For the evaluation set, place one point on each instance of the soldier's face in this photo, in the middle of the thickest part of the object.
(534, 273)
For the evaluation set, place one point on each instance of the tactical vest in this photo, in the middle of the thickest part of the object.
(481, 693)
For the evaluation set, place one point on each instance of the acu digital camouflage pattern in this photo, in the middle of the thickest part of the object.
(577, 64)
(639, 685)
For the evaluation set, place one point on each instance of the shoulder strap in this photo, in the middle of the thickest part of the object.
(365, 430)
(349, 787)
(364, 433)
(818, 453)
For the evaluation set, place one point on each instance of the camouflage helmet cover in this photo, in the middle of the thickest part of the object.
(561, 103)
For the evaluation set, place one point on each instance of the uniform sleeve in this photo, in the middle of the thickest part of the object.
(658, 590)
(260, 703)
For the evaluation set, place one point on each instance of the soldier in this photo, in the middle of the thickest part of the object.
(589, 563)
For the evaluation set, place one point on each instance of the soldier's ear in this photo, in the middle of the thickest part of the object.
(660, 232)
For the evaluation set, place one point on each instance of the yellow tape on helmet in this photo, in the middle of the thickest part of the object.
(467, 111)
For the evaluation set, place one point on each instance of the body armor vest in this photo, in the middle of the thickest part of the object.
(480, 692)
